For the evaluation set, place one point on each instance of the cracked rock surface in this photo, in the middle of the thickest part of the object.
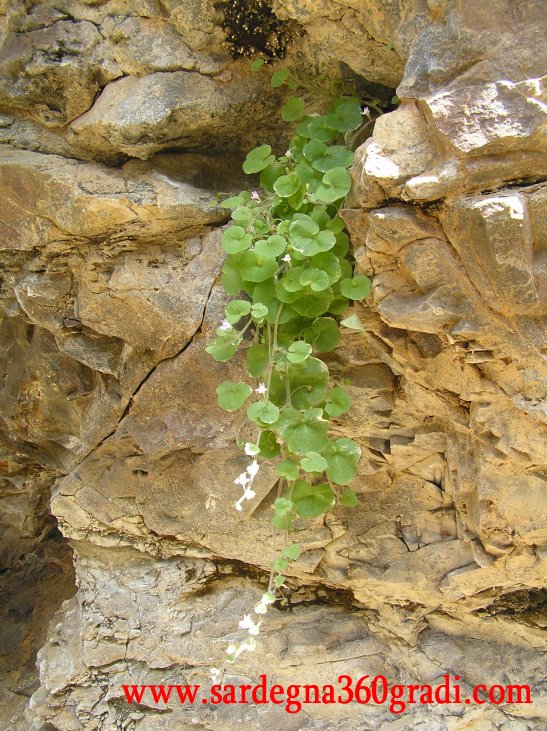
(119, 124)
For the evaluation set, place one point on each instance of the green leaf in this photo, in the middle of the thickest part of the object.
(287, 469)
(272, 246)
(259, 311)
(312, 500)
(313, 462)
(257, 359)
(355, 289)
(279, 78)
(283, 523)
(328, 262)
(292, 551)
(293, 109)
(314, 149)
(237, 309)
(280, 564)
(242, 215)
(221, 351)
(282, 506)
(236, 200)
(298, 352)
(279, 581)
(305, 236)
(263, 412)
(313, 304)
(305, 435)
(231, 279)
(343, 456)
(348, 498)
(317, 279)
(346, 117)
(324, 334)
(316, 128)
(258, 159)
(308, 383)
(257, 64)
(286, 185)
(335, 185)
(337, 402)
(232, 396)
(336, 224)
(256, 268)
(235, 240)
(353, 323)
(268, 444)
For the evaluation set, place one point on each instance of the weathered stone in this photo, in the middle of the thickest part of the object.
(110, 294)
(139, 116)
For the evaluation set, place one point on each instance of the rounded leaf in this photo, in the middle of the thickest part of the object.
(287, 469)
(317, 279)
(258, 159)
(237, 309)
(312, 500)
(298, 352)
(308, 384)
(257, 359)
(335, 185)
(313, 462)
(279, 78)
(313, 304)
(235, 240)
(272, 246)
(355, 289)
(337, 402)
(343, 456)
(286, 185)
(232, 396)
(293, 109)
(305, 435)
(256, 268)
(263, 412)
(324, 334)
(259, 311)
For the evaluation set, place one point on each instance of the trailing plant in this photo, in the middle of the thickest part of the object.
(290, 274)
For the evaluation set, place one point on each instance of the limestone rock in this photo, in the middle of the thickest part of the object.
(139, 116)
(120, 122)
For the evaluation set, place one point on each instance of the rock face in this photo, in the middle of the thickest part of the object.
(119, 124)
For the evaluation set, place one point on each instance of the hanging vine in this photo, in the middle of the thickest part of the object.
(290, 272)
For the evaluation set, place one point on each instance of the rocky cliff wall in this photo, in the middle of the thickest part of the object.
(119, 124)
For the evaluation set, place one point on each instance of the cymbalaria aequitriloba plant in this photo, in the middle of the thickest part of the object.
(291, 278)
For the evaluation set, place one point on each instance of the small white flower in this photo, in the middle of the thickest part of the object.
(225, 325)
(255, 196)
(287, 258)
(288, 155)
(365, 112)
(261, 388)
(251, 450)
(238, 505)
(248, 494)
(253, 468)
(242, 480)
(248, 623)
